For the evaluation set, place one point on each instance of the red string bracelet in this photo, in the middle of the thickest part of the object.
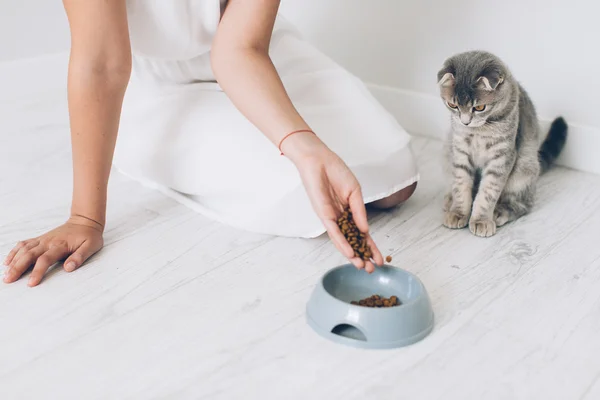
(292, 133)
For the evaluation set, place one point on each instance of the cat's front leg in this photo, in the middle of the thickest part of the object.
(492, 183)
(459, 201)
(447, 201)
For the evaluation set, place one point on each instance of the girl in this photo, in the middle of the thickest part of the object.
(219, 91)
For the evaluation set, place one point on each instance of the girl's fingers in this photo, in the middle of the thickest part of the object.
(45, 261)
(23, 248)
(79, 256)
(338, 239)
(22, 262)
(359, 211)
(358, 262)
(329, 206)
(13, 253)
(329, 211)
(369, 267)
(340, 242)
(375, 253)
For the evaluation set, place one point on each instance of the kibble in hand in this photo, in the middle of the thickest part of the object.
(356, 239)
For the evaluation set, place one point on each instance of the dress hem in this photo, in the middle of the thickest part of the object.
(196, 207)
(376, 197)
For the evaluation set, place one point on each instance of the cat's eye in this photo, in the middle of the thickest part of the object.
(479, 108)
(451, 105)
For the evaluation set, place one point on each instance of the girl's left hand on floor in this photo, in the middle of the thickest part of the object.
(76, 241)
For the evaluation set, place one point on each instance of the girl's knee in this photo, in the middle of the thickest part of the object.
(396, 198)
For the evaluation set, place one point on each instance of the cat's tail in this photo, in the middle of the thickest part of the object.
(554, 143)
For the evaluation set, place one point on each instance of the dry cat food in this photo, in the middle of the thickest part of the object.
(354, 236)
(388, 259)
(377, 301)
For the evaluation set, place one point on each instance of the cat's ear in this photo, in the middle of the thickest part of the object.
(489, 82)
(446, 79)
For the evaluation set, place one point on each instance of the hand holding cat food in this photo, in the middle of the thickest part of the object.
(354, 236)
(333, 188)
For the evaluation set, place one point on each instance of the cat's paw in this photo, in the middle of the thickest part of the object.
(504, 213)
(502, 216)
(482, 227)
(454, 220)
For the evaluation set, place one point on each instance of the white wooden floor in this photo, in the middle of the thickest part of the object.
(179, 307)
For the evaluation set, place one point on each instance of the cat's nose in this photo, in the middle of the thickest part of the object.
(466, 119)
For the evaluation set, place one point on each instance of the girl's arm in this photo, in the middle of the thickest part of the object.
(242, 66)
(99, 70)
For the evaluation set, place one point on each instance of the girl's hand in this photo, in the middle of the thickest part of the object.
(331, 187)
(76, 241)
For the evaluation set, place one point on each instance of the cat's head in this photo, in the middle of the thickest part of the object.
(471, 84)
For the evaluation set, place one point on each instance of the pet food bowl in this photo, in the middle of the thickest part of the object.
(331, 315)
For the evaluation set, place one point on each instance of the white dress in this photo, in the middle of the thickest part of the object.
(180, 133)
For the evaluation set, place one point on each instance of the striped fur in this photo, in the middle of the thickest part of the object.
(494, 154)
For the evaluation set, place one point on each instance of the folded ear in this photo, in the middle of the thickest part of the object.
(446, 79)
(489, 81)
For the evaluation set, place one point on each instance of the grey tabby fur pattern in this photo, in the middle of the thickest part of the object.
(495, 146)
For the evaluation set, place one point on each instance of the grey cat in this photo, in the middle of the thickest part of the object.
(494, 145)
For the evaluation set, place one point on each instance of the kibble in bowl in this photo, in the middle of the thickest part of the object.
(377, 301)
(335, 310)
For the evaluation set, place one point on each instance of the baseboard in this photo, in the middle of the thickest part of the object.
(425, 115)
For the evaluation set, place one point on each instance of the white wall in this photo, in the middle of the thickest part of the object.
(30, 28)
(398, 45)
(551, 45)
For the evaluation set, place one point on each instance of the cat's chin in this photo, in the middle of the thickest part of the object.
(476, 124)
(472, 125)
